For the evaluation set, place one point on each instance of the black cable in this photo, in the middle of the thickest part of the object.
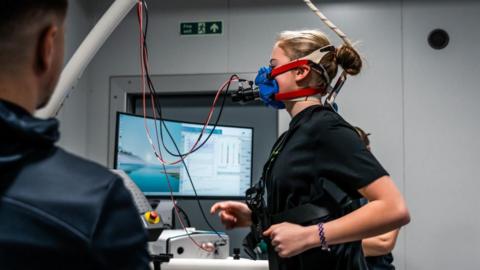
(157, 102)
(154, 93)
(159, 111)
(185, 216)
(188, 172)
(210, 133)
(185, 165)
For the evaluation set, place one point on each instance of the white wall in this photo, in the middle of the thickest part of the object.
(418, 103)
(441, 136)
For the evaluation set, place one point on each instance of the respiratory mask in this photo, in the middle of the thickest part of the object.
(267, 88)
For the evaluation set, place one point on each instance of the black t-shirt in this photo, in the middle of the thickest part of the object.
(321, 147)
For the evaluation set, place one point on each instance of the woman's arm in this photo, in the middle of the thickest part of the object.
(385, 211)
(381, 244)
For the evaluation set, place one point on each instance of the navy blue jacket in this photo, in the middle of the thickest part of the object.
(58, 211)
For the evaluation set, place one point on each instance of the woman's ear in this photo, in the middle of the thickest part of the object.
(302, 72)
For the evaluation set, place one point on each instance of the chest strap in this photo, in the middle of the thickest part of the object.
(302, 214)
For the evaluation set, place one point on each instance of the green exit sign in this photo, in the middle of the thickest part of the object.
(201, 28)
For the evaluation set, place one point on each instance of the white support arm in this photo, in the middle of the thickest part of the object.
(73, 71)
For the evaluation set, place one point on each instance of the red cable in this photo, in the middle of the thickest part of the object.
(140, 16)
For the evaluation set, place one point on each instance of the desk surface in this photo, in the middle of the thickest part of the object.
(214, 264)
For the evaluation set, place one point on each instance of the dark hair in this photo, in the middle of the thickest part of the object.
(15, 15)
(20, 20)
(363, 135)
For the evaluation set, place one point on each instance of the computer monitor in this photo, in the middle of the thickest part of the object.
(221, 168)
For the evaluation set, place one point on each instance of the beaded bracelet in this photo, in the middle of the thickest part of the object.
(321, 234)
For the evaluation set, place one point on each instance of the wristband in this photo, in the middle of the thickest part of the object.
(321, 234)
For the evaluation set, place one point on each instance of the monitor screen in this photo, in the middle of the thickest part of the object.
(221, 168)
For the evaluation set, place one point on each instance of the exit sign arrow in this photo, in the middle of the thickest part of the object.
(214, 28)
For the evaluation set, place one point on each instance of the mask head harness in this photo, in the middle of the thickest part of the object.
(268, 87)
(312, 59)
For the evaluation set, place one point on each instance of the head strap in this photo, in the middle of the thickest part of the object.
(313, 58)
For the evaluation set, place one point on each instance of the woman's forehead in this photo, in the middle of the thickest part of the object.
(278, 55)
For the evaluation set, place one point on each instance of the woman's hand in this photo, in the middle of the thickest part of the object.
(233, 214)
(290, 239)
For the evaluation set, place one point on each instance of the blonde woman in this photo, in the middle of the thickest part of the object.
(317, 168)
